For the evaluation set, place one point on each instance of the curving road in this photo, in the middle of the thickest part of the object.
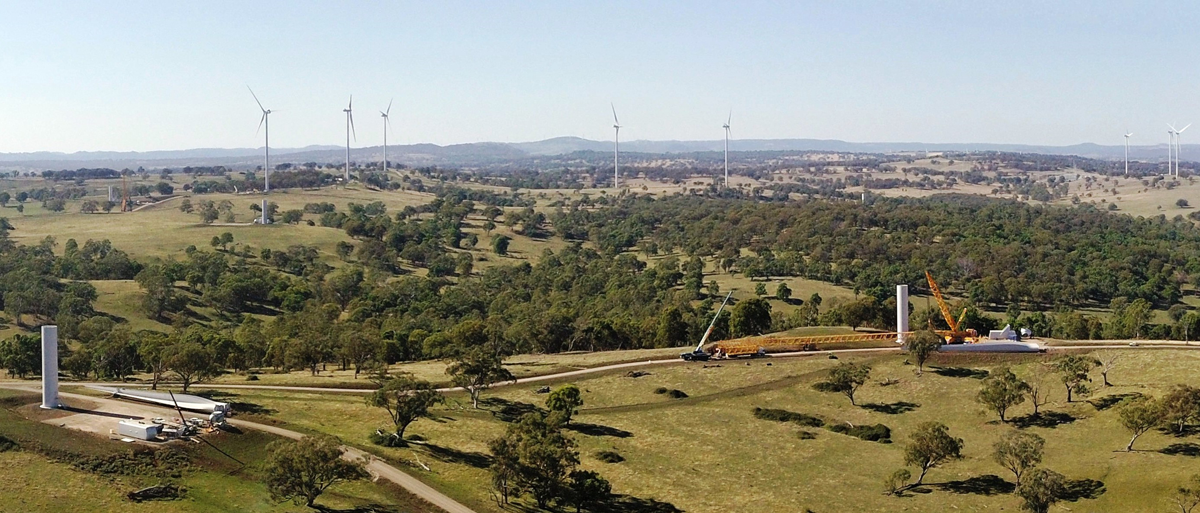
(630, 365)
(413, 485)
(375, 466)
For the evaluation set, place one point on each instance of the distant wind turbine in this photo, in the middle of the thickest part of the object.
(727, 147)
(1179, 148)
(616, 147)
(1170, 148)
(264, 121)
(386, 123)
(349, 110)
(1127, 136)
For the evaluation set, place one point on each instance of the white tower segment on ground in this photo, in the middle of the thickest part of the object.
(50, 367)
(616, 147)
(264, 122)
(901, 312)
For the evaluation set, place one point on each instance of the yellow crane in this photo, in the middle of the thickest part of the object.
(956, 335)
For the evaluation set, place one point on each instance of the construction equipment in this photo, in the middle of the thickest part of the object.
(699, 354)
(956, 334)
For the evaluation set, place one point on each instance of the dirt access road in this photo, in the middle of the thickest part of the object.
(375, 466)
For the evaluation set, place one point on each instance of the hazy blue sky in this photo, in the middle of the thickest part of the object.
(142, 76)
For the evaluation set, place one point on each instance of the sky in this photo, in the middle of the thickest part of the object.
(137, 76)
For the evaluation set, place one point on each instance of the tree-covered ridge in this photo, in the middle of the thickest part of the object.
(997, 251)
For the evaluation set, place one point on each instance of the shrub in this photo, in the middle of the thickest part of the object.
(661, 390)
(807, 435)
(6, 444)
(802, 419)
(677, 394)
(387, 440)
(876, 433)
(609, 457)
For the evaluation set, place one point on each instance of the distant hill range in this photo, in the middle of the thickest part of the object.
(490, 154)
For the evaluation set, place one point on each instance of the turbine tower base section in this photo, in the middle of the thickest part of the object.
(50, 368)
(901, 312)
(264, 219)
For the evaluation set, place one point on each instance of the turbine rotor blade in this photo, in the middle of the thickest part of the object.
(389, 109)
(261, 120)
(352, 131)
(728, 121)
(256, 99)
(614, 109)
(1184, 128)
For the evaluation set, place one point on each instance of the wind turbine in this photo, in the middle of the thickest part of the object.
(1170, 148)
(386, 123)
(1179, 147)
(727, 147)
(616, 147)
(1127, 152)
(264, 121)
(349, 110)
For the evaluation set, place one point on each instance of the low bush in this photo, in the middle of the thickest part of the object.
(807, 435)
(777, 415)
(676, 394)
(387, 440)
(871, 433)
(609, 457)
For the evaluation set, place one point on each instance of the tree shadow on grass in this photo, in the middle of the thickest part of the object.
(598, 430)
(450, 455)
(509, 411)
(989, 485)
(1077, 489)
(370, 508)
(960, 372)
(1044, 419)
(895, 408)
(631, 504)
(1108, 401)
(1183, 449)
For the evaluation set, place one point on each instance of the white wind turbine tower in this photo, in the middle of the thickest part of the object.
(1179, 147)
(1127, 136)
(727, 147)
(616, 147)
(264, 121)
(386, 123)
(1170, 148)
(349, 110)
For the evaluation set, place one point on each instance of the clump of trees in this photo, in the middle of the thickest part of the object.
(405, 399)
(535, 457)
(845, 378)
(1002, 390)
(302, 470)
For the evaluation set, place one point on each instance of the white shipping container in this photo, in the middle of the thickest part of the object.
(138, 429)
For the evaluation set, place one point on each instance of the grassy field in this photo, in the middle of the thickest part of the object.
(214, 482)
(735, 462)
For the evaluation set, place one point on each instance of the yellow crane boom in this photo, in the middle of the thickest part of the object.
(937, 294)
